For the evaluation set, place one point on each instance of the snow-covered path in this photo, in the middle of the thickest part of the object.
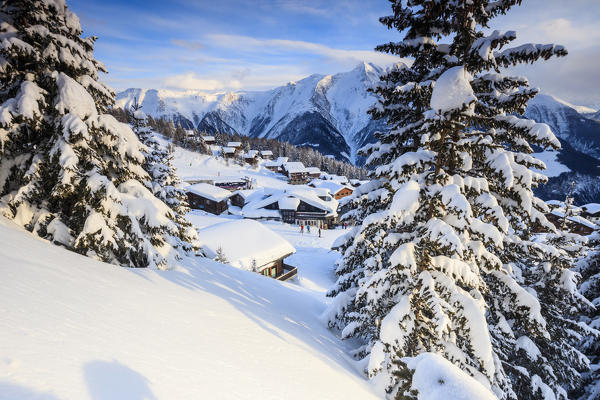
(74, 328)
(314, 259)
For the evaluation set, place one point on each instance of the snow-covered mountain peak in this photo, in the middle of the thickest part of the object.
(328, 112)
(551, 101)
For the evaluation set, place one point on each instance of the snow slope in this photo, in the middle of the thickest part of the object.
(75, 328)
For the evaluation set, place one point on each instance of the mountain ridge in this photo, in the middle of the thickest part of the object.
(329, 114)
(327, 111)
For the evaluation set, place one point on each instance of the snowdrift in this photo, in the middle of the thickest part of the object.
(75, 328)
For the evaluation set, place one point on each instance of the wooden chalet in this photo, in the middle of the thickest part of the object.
(303, 206)
(266, 154)
(591, 212)
(209, 140)
(229, 152)
(276, 165)
(313, 172)
(337, 190)
(207, 197)
(236, 146)
(296, 211)
(296, 172)
(249, 245)
(240, 198)
(574, 224)
(251, 157)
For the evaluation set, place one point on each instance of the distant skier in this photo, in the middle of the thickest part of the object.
(308, 228)
(319, 231)
(302, 229)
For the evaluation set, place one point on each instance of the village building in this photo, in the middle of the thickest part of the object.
(574, 223)
(337, 190)
(341, 179)
(276, 165)
(296, 172)
(231, 183)
(240, 198)
(297, 206)
(251, 157)
(266, 154)
(248, 245)
(591, 212)
(237, 146)
(207, 197)
(314, 172)
(228, 152)
(209, 140)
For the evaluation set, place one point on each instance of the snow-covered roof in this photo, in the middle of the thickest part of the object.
(208, 138)
(214, 178)
(282, 160)
(592, 208)
(250, 194)
(251, 154)
(288, 203)
(313, 170)
(322, 192)
(234, 144)
(332, 186)
(266, 153)
(228, 150)
(575, 218)
(294, 167)
(336, 178)
(209, 191)
(255, 209)
(244, 241)
(190, 132)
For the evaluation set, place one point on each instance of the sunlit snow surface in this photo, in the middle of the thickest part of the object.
(75, 328)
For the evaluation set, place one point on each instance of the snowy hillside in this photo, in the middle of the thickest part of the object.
(74, 328)
(326, 112)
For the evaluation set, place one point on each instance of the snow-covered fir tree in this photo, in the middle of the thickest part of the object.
(220, 256)
(443, 259)
(68, 171)
(164, 182)
(589, 269)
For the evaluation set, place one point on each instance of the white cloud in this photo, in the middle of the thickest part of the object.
(191, 81)
(341, 57)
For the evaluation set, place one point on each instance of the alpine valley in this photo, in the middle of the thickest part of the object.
(329, 114)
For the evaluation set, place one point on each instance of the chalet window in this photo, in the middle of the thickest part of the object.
(273, 272)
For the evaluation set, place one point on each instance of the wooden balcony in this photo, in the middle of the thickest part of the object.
(289, 273)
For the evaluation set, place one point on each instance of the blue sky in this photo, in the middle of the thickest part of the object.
(258, 44)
